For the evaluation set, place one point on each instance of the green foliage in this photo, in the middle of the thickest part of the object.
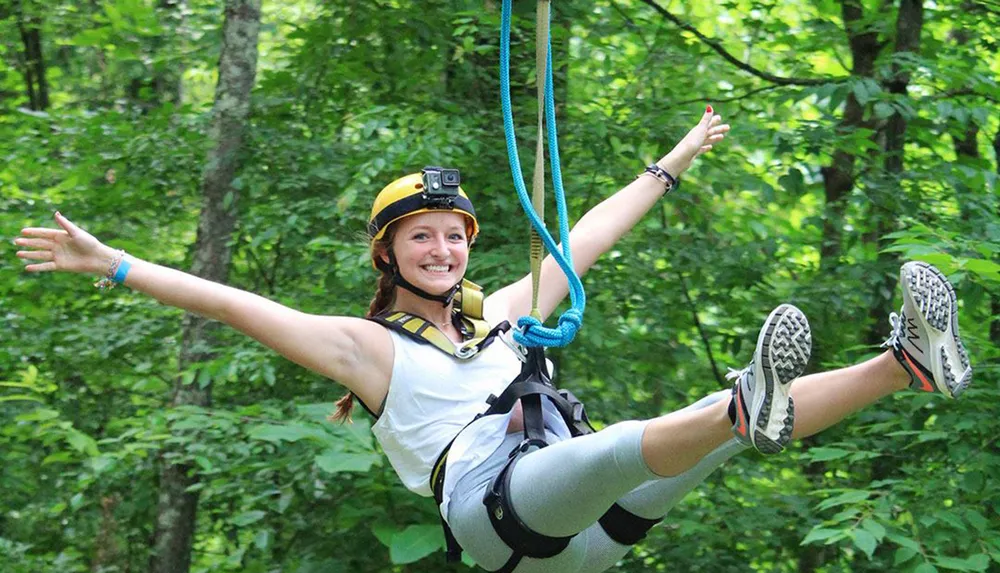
(353, 94)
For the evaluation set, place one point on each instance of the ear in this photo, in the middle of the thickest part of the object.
(382, 254)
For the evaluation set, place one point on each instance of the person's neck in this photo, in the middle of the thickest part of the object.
(431, 310)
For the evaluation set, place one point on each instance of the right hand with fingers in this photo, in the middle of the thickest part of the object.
(69, 248)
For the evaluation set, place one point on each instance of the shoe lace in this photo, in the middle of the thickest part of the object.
(740, 375)
(897, 331)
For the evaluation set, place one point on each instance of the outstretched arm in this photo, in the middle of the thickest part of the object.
(601, 227)
(351, 351)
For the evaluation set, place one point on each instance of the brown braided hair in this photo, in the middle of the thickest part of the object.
(385, 297)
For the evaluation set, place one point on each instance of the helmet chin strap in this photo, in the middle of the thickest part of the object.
(397, 279)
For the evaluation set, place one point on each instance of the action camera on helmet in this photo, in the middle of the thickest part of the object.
(440, 186)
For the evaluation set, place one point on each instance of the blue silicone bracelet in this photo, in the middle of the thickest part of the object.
(122, 272)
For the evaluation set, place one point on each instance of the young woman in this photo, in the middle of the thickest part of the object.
(424, 398)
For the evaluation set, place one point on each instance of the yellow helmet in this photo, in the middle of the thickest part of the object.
(433, 189)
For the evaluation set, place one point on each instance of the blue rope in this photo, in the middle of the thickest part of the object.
(532, 332)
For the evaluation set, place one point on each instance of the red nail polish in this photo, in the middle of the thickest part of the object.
(708, 109)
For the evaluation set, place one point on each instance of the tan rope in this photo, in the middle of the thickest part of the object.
(538, 184)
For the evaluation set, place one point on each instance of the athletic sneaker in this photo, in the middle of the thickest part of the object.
(762, 411)
(924, 335)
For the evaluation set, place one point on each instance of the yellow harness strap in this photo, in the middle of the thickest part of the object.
(468, 303)
(470, 300)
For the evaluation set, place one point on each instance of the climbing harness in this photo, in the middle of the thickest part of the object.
(529, 387)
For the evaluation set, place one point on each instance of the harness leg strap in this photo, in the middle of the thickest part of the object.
(514, 533)
(624, 526)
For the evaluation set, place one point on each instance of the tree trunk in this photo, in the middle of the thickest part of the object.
(967, 150)
(107, 554)
(886, 206)
(177, 507)
(838, 177)
(29, 80)
(966, 145)
(34, 63)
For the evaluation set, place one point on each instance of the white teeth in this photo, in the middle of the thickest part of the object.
(437, 268)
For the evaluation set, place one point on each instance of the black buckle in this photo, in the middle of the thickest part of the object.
(526, 445)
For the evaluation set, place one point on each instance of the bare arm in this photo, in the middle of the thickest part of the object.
(354, 352)
(601, 227)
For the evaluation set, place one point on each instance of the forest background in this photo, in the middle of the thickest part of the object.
(865, 133)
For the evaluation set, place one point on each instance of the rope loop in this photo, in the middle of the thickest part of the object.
(532, 332)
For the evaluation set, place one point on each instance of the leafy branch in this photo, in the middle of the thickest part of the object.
(743, 96)
(701, 331)
(718, 48)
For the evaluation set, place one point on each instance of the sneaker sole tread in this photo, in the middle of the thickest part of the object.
(937, 303)
(784, 349)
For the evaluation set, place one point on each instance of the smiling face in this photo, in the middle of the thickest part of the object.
(432, 250)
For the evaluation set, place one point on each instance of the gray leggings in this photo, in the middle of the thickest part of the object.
(566, 487)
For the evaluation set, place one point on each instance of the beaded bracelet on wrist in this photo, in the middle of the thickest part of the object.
(116, 272)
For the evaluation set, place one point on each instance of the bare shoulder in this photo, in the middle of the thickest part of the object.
(353, 352)
(361, 352)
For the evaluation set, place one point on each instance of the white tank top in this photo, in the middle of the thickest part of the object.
(432, 396)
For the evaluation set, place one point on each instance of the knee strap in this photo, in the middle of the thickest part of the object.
(514, 533)
(624, 526)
